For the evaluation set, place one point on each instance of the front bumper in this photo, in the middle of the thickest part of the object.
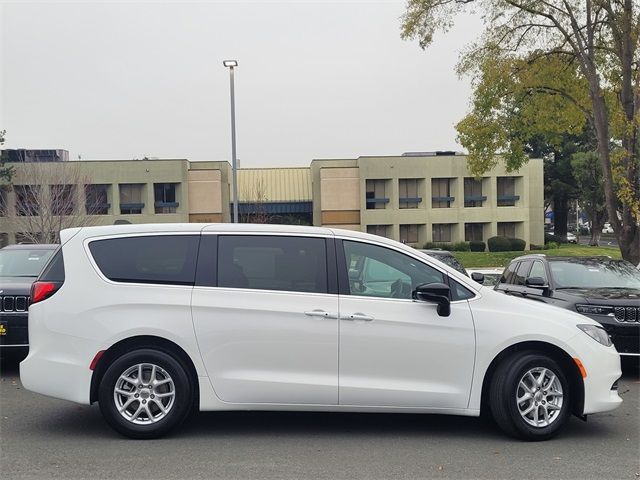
(602, 365)
(14, 330)
(624, 335)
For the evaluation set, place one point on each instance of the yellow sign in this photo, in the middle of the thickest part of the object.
(3, 331)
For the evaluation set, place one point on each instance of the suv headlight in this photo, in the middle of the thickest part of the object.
(595, 309)
(599, 334)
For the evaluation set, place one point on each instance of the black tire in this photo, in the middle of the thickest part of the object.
(504, 393)
(180, 405)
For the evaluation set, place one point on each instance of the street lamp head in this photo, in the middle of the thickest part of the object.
(230, 63)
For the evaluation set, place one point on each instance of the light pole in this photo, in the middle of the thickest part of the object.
(231, 64)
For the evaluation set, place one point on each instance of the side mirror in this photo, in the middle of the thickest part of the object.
(478, 277)
(536, 282)
(434, 292)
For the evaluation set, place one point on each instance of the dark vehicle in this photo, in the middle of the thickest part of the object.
(606, 290)
(20, 266)
(447, 258)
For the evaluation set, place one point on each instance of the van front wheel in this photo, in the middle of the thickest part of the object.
(530, 397)
(145, 394)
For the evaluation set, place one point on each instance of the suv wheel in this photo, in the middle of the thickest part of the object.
(530, 397)
(145, 394)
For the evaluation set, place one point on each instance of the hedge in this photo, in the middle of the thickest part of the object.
(499, 244)
(476, 246)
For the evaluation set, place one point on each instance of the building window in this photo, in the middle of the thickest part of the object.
(97, 199)
(507, 192)
(409, 197)
(473, 192)
(507, 229)
(380, 230)
(409, 233)
(27, 204)
(473, 232)
(441, 232)
(131, 195)
(165, 197)
(376, 194)
(441, 193)
(62, 199)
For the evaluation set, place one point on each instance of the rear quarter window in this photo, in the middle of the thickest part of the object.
(162, 259)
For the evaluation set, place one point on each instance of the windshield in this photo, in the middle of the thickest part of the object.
(23, 263)
(595, 274)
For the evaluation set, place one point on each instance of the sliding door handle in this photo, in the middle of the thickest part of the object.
(320, 313)
(358, 317)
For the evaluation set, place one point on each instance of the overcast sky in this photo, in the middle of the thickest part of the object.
(125, 79)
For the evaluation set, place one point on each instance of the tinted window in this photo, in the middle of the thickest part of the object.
(54, 271)
(537, 270)
(507, 275)
(297, 264)
(381, 272)
(166, 259)
(23, 262)
(594, 273)
(521, 273)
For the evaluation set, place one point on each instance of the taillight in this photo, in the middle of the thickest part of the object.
(43, 290)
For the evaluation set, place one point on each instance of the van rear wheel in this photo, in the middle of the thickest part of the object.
(530, 397)
(145, 394)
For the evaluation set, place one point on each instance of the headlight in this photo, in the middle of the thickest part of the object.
(595, 309)
(597, 333)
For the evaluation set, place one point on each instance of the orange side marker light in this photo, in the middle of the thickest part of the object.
(583, 371)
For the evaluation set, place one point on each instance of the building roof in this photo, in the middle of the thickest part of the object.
(274, 184)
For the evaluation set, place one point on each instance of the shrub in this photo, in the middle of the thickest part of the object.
(548, 237)
(460, 247)
(552, 245)
(476, 246)
(533, 246)
(499, 244)
(517, 244)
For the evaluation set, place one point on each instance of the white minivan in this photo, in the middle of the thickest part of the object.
(156, 321)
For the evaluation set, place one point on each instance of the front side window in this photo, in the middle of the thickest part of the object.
(375, 271)
(162, 259)
(537, 270)
(521, 273)
(296, 264)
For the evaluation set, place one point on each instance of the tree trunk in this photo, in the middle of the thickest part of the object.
(560, 214)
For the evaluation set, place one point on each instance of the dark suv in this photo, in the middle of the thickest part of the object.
(20, 265)
(606, 290)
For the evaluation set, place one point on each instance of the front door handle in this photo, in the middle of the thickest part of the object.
(358, 316)
(319, 313)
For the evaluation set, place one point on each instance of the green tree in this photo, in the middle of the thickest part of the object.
(587, 173)
(578, 57)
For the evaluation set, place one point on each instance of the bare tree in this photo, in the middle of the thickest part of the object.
(256, 198)
(49, 198)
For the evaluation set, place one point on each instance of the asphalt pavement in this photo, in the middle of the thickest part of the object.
(44, 438)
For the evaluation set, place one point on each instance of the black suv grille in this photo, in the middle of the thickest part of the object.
(11, 303)
(627, 314)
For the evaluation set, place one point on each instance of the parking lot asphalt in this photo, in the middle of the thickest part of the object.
(47, 438)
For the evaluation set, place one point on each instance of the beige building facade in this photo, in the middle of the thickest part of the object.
(412, 198)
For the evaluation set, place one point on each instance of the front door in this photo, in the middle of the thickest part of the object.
(395, 351)
(266, 321)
